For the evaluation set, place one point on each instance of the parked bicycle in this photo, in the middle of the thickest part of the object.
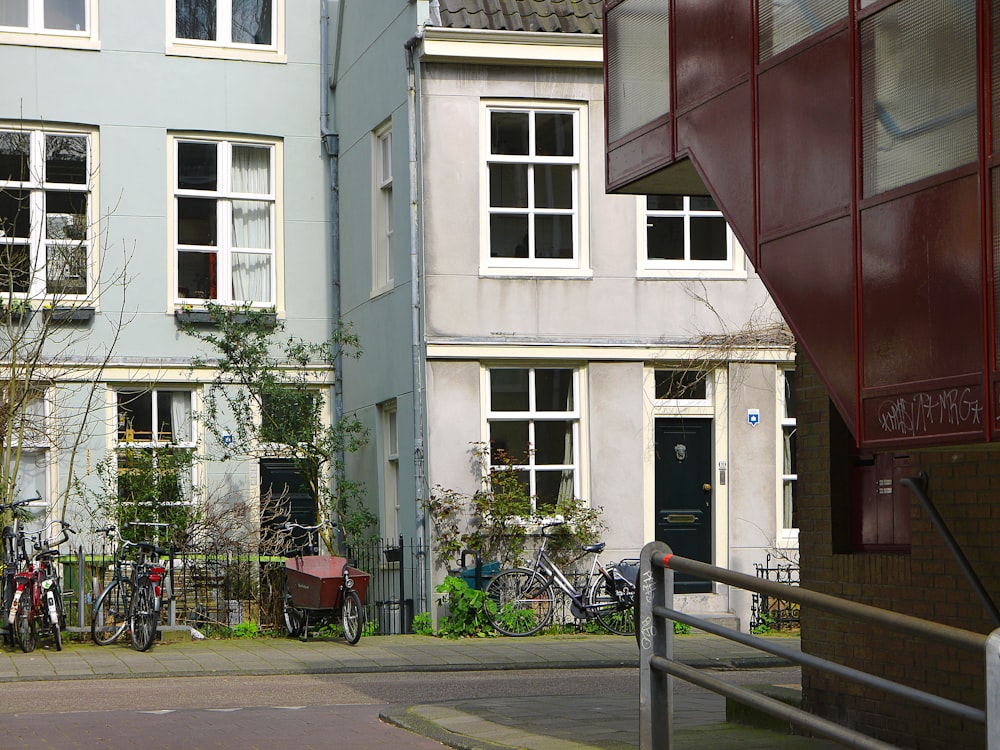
(38, 599)
(519, 601)
(15, 557)
(131, 599)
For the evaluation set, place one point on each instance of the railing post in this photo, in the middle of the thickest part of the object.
(656, 638)
(81, 571)
(993, 691)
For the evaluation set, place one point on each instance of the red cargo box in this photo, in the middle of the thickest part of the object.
(314, 581)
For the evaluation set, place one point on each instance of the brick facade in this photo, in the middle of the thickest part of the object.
(964, 484)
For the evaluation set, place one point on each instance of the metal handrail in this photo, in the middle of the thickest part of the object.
(656, 664)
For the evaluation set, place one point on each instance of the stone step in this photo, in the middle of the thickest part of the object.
(723, 619)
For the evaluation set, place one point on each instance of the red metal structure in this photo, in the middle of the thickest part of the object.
(850, 144)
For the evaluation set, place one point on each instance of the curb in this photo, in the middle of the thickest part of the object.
(407, 718)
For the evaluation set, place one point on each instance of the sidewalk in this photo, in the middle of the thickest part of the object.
(545, 723)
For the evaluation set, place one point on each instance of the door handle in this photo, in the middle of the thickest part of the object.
(706, 487)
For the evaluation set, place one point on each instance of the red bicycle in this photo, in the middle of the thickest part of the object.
(38, 594)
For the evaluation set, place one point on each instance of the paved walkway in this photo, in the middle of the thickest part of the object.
(545, 723)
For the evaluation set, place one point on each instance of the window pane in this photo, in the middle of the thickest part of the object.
(665, 238)
(252, 224)
(550, 487)
(252, 21)
(509, 185)
(15, 269)
(554, 390)
(196, 221)
(509, 437)
(784, 23)
(252, 277)
(65, 215)
(708, 238)
(680, 384)
(196, 275)
(14, 13)
(509, 133)
(665, 202)
(508, 236)
(66, 269)
(703, 203)
(66, 14)
(553, 186)
(554, 134)
(135, 416)
(509, 390)
(196, 19)
(252, 170)
(919, 91)
(554, 237)
(197, 166)
(790, 394)
(14, 156)
(553, 442)
(15, 213)
(66, 159)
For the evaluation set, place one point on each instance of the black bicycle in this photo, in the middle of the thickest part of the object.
(519, 601)
(132, 597)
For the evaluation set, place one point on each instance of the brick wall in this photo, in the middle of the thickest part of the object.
(964, 484)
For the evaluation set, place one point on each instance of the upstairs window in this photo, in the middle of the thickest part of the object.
(65, 18)
(226, 22)
(533, 188)
(45, 213)
(224, 233)
(789, 463)
(686, 233)
(382, 229)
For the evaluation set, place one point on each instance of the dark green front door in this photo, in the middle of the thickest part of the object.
(684, 494)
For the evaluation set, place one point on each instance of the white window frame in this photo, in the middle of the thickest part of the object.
(223, 46)
(533, 416)
(579, 264)
(382, 211)
(224, 197)
(788, 534)
(36, 34)
(734, 267)
(38, 186)
(154, 442)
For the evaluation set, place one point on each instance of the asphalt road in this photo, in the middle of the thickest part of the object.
(295, 712)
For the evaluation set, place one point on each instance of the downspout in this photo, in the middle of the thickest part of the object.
(416, 300)
(331, 147)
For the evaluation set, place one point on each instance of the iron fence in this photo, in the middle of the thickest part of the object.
(212, 589)
(769, 612)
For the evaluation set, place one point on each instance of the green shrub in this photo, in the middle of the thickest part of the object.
(422, 624)
(466, 607)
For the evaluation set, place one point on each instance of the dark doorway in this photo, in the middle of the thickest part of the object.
(285, 495)
(683, 486)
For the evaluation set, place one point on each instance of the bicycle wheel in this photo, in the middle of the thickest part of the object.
(350, 617)
(110, 616)
(24, 626)
(519, 602)
(144, 615)
(613, 603)
(57, 626)
(295, 619)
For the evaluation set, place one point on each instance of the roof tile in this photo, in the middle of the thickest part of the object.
(567, 16)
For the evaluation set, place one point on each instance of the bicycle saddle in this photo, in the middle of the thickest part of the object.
(599, 547)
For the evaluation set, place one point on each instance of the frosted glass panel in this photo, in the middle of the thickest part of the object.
(785, 23)
(638, 64)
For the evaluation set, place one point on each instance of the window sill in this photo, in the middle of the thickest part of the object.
(222, 52)
(207, 317)
(69, 314)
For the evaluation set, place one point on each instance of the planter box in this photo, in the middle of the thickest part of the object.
(69, 314)
(206, 317)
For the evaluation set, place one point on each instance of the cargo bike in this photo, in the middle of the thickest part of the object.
(322, 590)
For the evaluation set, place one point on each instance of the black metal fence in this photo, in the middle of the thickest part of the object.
(222, 590)
(767, 612)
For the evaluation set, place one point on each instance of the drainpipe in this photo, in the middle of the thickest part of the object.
(331, 147)
(416, 293)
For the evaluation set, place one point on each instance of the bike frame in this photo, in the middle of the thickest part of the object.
(547, 568)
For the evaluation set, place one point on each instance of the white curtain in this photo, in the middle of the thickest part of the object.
(252, 277)
(14, 13)
(180, 417)
(252, 224)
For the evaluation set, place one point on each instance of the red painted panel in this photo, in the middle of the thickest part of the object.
(805, 131)
(718, 137)
(639, 156)
(811, 277)
(922, 288)
(712, 48)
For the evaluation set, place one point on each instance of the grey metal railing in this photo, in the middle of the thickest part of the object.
(657, 668)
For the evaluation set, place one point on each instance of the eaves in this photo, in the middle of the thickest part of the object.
(478, 46)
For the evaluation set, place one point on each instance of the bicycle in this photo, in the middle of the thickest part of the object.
(15, 556)
(130, 600)
(38, 592)
(519, 601)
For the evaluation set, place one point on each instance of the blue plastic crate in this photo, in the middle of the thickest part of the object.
(490, 569)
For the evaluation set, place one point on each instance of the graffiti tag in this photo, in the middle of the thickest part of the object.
(920, 413)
